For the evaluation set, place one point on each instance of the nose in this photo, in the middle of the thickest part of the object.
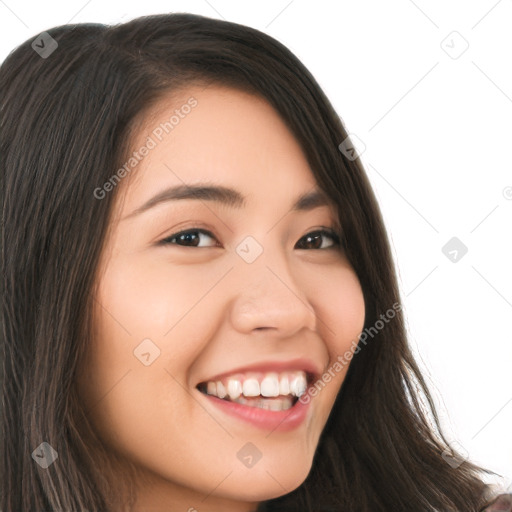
(268, 297)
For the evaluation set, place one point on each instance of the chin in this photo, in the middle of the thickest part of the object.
(268, 483)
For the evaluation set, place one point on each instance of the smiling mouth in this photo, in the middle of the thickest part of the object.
(278, 403)
(271, 391)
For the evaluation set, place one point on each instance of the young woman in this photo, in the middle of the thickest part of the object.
(201, 311)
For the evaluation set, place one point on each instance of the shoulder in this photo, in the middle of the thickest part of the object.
(503, 503)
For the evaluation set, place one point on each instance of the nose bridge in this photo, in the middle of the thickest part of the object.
(269, 296)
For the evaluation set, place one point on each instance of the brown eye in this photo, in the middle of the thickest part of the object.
(314, 240)
(188, 238)
(192, 238)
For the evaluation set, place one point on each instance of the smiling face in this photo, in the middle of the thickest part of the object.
(252, 290)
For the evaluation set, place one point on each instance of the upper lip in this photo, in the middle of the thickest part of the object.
(311, 368)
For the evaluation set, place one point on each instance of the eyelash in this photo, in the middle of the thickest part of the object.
(329, 232)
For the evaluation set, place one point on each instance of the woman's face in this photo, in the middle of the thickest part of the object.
(252, 296)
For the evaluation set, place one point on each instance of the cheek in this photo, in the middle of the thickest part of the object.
(340, 307)
(149, 297)
(339, 303)
(140, 299)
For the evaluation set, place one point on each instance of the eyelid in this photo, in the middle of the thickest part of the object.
(166, 240)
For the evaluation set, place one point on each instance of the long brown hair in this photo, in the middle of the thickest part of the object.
(66, 121)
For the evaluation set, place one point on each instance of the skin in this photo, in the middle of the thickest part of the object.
(209, 311)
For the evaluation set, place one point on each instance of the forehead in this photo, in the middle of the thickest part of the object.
(217, 135)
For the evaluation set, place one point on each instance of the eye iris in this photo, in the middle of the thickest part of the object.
(317, 237)
(186, 237)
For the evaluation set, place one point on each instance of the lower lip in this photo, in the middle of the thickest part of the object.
(282, 421)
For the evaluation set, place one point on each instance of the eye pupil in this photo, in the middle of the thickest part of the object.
(187, 237)
(315, 238)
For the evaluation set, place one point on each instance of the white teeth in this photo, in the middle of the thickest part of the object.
(221, 390)
(234, 388)
(272, 404)
(298, 386)
(270, 385)
(284, 385)
(251, 387)
(211, 388)
(275, 405)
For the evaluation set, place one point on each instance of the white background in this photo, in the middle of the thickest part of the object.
(437, 132)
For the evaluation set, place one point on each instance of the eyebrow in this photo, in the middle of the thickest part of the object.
(226, 196)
